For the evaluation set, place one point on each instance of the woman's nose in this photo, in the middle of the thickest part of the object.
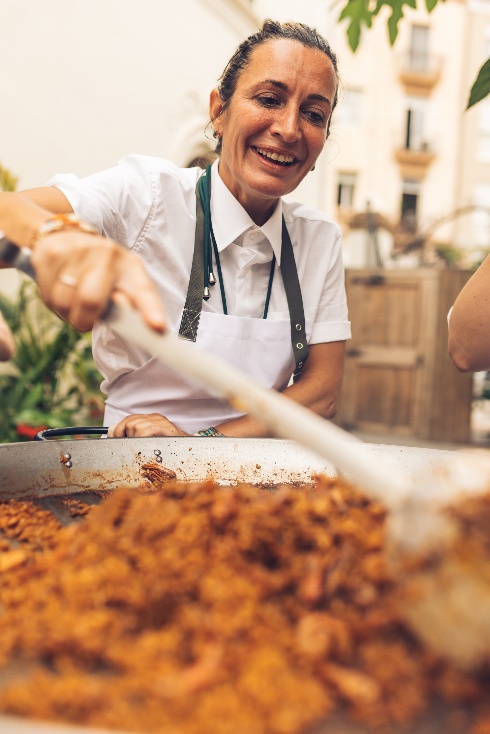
(286, 124)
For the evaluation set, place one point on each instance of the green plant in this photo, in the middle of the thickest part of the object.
(450, 255)
(8, 182)
(51, 381)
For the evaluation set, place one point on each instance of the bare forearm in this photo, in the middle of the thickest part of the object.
(20, 217)
(318, 389)
(249, 427)
(469, 324)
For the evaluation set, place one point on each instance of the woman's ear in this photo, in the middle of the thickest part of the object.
(216, 107)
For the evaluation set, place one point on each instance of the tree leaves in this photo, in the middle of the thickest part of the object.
(360, 13)
(396, 14)
(481, 86)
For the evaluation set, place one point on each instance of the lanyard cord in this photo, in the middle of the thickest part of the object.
(201, 277)
(220, 278)
(204, 186)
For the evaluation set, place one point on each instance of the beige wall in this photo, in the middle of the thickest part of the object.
(87, 82)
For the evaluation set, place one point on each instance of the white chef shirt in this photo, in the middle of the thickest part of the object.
(149, 205)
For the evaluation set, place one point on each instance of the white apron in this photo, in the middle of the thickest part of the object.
(262, 348)
(259, 347)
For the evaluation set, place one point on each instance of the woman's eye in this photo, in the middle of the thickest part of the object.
(317, 118)
(267, 100)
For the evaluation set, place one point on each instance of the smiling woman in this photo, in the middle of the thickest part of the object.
(280, 306)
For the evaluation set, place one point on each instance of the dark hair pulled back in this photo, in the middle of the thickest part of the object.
(271, 30)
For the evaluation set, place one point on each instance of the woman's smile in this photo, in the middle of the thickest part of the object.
(275, 157)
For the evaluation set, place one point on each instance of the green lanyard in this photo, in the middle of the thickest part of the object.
(202, 277)
(204, 188)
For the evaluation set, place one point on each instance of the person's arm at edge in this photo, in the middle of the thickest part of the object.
(469, 323)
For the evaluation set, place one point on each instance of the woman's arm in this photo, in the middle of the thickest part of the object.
(93, 268)
(469, 323)
(21, 214)
(317, 389)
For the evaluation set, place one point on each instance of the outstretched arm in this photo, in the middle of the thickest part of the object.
(469, 323)
(77, 272)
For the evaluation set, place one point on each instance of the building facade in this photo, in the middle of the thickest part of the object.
(86, 83)
(411, 167)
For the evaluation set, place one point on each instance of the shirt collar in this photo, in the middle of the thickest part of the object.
(230, 219)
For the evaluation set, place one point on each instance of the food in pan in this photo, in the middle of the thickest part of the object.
(193, 608)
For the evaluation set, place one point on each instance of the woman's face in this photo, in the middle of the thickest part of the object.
(275, 125)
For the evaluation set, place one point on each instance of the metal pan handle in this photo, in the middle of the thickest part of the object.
(48, 433)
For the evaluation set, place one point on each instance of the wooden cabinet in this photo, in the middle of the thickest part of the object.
(398, 375)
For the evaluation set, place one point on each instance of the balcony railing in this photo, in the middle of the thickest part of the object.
(415, 160)
(419, 73)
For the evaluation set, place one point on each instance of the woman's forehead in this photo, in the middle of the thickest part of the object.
(284, 60)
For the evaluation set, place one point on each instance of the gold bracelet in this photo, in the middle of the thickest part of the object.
(58, 223)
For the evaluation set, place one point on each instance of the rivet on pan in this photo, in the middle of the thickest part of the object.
(66, 460)
(157, 452)
(159, 459)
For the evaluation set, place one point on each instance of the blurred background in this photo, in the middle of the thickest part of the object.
(406, 173)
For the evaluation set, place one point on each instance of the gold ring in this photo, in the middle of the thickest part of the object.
(68, 280)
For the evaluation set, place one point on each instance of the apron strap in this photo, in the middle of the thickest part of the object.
(294, 298)
(193, 303)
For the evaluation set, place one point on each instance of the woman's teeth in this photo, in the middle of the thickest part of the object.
(277, 157)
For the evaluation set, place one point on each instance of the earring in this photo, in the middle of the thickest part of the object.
(216, 135)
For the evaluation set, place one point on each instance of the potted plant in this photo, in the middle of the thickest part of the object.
(51, 381)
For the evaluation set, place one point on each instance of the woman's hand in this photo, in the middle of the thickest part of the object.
(78, 273)
(151, 424)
